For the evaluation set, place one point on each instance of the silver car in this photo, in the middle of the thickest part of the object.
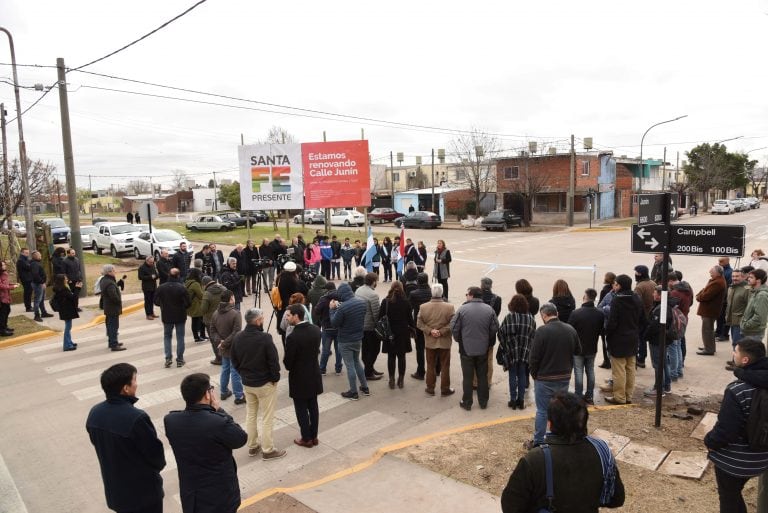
(86, 234)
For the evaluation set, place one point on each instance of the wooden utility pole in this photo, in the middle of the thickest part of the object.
(571, 186)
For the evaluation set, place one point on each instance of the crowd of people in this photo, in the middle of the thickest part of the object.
(319, 314)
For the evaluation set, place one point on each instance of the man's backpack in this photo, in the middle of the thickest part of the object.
(757, 422)
(676, 324)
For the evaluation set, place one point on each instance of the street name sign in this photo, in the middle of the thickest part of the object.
(690, 239)
(652, 209)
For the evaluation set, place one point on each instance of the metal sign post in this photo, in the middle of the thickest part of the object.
(149, 210)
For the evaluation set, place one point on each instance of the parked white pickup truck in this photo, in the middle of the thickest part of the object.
(115, 237)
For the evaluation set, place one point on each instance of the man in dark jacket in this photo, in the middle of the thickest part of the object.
(232, 280)
(181, 260)
(348, 317)
(72, 269)
(226, 322)
(551, 362)
(588, 322)
(304, 380)
(735, 463)
(474, 327)
(626, 320)
(164, 265)
(173, 300)
(254, 356)
(129, 452)
(217, 258)
(421, 294)
(578, 463)
(321, 315)
(111, 302)
(24, 275)
(202, 437)
(242, 265)
(710, 300)
(148, 278)
(39, 279)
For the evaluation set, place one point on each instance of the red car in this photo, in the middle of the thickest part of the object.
(383, 215)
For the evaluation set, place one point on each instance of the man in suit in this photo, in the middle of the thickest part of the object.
(434, 320)
(305, 382)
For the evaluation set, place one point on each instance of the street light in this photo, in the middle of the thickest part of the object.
(642, 140)
(22, 152)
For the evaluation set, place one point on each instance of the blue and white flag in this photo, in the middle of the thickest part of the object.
(370, 250)
(401, 250)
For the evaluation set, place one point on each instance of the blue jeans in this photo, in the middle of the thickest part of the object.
(326, 337)
(167, 333)
(350, 353)
(39, 298)
(581, 364)
(674, 355)
(112, 323)
(517, 381)
(544, 392)
(735, 335)
(228, 371)
(68, 334)
(655, 349)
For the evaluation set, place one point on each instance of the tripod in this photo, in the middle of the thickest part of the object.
(260, 279)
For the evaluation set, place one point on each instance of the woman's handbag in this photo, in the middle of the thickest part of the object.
(382, 329)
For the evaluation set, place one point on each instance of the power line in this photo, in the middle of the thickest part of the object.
(141, 38)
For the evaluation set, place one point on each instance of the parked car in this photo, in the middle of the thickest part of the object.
(738, 205)
(86, 234)
(501, 220)
(260, 215)
(146, 243)
(721, 207)
(210, 223)
(238, 219)
(419, 219)
(383, 215)
(19, 227)
(347, 218)
(310, 216)
(115, 237)
(59, 229)
(752, 202)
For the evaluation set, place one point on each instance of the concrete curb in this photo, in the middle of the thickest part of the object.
(43, 334)
(383, 451)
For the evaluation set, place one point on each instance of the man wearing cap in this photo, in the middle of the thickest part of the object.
(622, 331)
(644, 288)
(710, 300)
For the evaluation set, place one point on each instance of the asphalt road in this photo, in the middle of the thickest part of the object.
(48, 464)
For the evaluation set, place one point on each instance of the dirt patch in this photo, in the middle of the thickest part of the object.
(485, 457)
(278, 503)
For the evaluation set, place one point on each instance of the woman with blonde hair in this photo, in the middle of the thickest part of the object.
(442, 269)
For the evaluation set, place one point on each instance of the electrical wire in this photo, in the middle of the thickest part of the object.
(141, 38)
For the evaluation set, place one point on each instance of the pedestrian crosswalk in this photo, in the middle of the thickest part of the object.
(78, 372)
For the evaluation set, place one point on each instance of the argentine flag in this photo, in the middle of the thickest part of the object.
(370, 250)
(401, 250)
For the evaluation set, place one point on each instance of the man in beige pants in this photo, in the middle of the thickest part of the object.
(254, 356)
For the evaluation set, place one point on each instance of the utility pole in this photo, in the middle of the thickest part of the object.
(392, 177)
(7, 199)
(571, 185)
(433, 181)
(90, 196)
(69, 169)
(664, 170)
(216, 194)
(58, 199)
(30, 220)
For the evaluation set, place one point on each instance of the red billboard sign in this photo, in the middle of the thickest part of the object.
(336, 174)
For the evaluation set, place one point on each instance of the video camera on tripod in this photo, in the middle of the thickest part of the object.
(284, 259)
(261, 263)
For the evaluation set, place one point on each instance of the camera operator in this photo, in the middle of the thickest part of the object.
(205, 255)
(251, 268)
(266, 254)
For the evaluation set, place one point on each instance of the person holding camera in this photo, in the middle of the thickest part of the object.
(266, 255)
(65, 302)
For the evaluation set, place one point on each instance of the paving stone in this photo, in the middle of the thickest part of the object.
(646, 456)
(691, 464)
(615, 441)
(705, 426)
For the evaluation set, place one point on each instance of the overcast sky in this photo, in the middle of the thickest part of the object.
(525, 71)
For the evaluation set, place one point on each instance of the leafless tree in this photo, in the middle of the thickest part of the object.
(140, 186)
(278, 135)
(179, 180)
(476, 152)
(531, 180)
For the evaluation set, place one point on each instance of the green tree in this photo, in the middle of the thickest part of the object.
(230, 194)
(711, 166)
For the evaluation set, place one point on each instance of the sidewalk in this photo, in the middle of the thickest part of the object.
(390, 484)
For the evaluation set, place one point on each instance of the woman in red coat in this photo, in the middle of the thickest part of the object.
(5, 300)
(397, 308)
